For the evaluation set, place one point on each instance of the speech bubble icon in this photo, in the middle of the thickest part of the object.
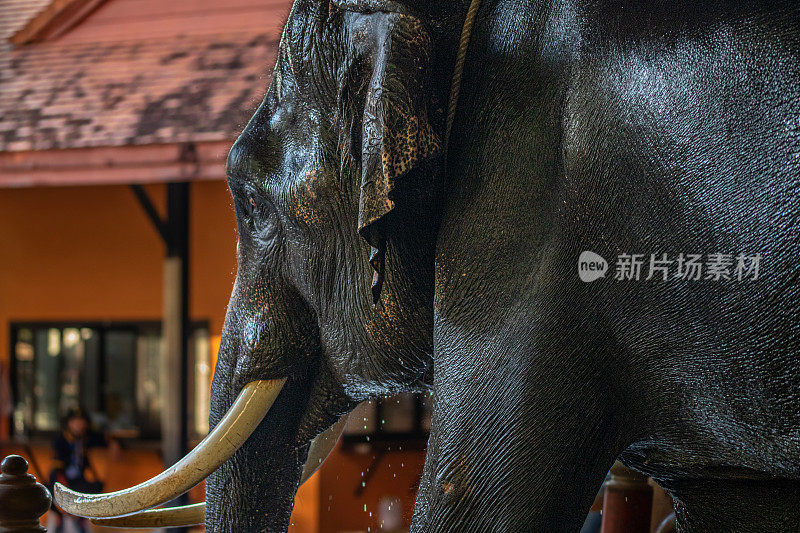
(591, 266)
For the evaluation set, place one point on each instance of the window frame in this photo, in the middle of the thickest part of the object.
(102, 327)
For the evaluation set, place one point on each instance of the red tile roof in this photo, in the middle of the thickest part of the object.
(179, 89)
(14, 14)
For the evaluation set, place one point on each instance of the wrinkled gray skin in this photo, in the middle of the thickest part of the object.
(617, 127)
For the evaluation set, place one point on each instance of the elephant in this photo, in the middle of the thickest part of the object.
(379, 254)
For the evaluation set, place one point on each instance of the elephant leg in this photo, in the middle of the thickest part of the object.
(738, 506)
(516, 444)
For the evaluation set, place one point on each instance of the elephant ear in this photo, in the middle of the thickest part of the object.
(397, 135)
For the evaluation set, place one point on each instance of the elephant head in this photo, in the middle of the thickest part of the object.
(334, 183)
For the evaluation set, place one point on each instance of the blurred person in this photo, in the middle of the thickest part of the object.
(71, 460)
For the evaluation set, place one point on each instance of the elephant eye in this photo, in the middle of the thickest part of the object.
(259, 208)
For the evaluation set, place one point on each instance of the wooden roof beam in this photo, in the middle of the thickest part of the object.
(55, 20)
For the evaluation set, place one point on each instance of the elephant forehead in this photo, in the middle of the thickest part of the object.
(306, 194)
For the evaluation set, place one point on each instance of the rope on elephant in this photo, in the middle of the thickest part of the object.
(458, 71)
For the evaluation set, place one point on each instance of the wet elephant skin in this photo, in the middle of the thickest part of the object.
(617, 127)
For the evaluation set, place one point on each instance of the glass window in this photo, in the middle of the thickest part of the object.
(398, 414)
(112, 370)
(148, 382)
(119, 390)
(401, 418)
(46, 386)
(23, 356)
(201, 348)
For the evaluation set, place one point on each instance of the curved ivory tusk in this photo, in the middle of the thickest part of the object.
(192, 515)
(233, 430)
(321, 447)
(187, 515)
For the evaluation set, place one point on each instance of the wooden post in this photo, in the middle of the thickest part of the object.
(22, 499)
(628, 501)
(175, 326)
(175, 330)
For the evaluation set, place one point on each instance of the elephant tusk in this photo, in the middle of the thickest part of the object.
(192, 515)
(188, 515)
(321, 446)
(244, 416)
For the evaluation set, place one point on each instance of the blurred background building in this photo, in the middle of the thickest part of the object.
(117, 242)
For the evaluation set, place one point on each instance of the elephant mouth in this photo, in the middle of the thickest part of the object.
(132, 507)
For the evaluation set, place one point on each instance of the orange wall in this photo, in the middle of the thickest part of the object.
(90, 253)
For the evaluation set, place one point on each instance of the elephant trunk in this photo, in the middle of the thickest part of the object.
(254, 490)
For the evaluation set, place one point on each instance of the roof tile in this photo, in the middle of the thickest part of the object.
(187, 88)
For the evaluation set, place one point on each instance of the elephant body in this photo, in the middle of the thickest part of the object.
(619, 128)
(603, 264)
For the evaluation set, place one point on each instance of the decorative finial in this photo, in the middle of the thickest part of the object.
(22, 499)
